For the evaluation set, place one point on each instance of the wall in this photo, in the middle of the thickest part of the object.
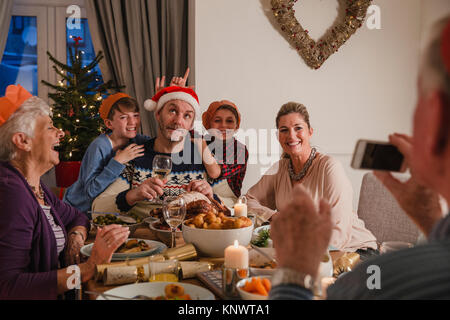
(366, 90)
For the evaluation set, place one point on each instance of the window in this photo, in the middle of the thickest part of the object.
(19, 63)
(84, 44)
(38, 26)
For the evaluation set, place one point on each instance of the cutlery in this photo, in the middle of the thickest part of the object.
(271, 259)
(107, 296)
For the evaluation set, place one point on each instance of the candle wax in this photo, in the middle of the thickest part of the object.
(236, 256)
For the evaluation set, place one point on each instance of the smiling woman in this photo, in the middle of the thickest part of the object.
(40, 235)
(323, 176)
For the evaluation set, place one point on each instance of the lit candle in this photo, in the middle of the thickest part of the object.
(236, 256)
(240, 208)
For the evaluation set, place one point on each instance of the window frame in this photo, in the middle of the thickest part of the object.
(42, 42)
(51, 29)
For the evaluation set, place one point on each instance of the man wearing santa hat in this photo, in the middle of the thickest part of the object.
(175, 111)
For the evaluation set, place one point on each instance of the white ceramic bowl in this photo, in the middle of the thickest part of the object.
(247, 295)
(212, 243)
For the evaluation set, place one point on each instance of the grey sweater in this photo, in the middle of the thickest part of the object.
(422, 272)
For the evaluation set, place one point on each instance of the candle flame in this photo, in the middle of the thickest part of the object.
(236, 244)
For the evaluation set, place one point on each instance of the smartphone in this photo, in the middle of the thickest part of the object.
(377, 155)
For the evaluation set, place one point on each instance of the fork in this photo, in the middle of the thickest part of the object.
(271, 259)
(107, 296)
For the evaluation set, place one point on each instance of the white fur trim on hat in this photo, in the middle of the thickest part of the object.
(151, 105)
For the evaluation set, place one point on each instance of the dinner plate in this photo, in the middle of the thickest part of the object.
(155, 289)
(155, 248)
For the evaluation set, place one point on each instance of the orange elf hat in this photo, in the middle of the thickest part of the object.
(209, 114)
(15, 96)
(109, 102)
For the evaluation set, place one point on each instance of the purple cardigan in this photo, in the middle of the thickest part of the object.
(28, 254)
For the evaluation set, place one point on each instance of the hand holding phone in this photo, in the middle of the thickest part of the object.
(378, 155)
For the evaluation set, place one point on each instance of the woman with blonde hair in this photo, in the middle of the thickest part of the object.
(323, 176)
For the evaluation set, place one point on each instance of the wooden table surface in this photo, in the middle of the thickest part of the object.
(146, 233)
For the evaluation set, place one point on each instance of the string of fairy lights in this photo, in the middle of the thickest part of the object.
(77, 97)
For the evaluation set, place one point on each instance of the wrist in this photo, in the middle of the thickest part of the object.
(130, 198)
(293, 277)
(300, 268)
(87, 270)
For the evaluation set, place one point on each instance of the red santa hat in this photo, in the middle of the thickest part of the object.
(173, 93)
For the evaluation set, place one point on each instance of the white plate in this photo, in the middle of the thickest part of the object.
(155, 248)
(155, 289)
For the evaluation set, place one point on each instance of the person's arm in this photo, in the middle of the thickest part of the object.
(19, 215)
(300, 233)
(107, 241)
(339, 194)
(97, 176)
(212, 167)
(261, 197)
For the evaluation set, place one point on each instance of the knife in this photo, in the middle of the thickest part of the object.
(271, 259)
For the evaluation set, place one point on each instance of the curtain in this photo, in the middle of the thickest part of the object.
(141, 40)
(5, 19)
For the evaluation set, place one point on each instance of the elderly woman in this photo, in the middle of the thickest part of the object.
(39, 234)
(321, 175)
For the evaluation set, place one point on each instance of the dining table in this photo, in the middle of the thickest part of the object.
(144, 232)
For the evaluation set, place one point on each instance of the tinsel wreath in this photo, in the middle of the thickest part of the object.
(316, 53)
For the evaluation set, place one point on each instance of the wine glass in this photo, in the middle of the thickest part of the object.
(174, 211)
(167, 271)
(162, 165)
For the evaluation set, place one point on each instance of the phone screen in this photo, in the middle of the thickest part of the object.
(381, 157)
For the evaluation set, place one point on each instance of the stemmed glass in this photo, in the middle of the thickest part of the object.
(174, 211)
(162, 165)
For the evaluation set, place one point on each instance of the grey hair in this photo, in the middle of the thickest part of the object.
(23, 120)
(434, 75)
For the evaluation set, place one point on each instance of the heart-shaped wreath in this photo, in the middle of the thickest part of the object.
(315, 54)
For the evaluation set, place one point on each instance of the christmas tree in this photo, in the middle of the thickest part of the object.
(77, 99)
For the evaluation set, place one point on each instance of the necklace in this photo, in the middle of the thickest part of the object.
(298, 176)
(38, 193)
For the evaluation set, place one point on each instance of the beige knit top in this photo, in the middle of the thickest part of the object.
(325, 179)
